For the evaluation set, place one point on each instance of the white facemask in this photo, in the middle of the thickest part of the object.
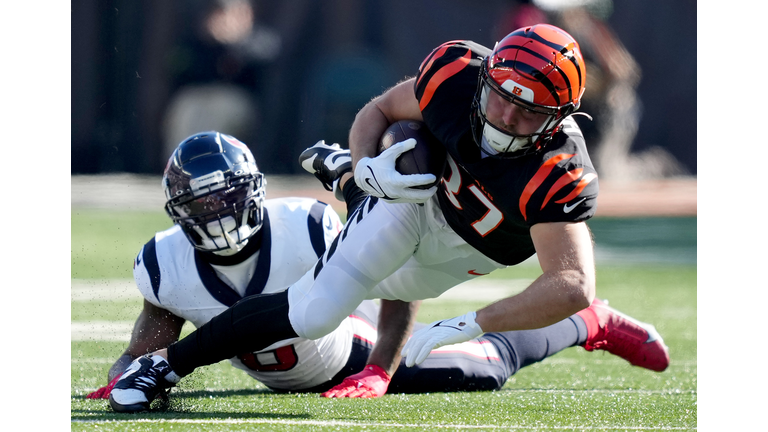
(226, 237)
(499, 141)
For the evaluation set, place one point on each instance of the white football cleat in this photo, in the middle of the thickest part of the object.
(146, 378)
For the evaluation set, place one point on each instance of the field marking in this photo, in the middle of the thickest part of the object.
(97, 331)
(337, 423)
(545, 362)
(124, 289)
(103, 290)
(504, 389)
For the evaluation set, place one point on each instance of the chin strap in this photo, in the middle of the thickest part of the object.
(583, 114)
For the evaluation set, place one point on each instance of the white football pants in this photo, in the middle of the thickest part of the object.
(394, 251)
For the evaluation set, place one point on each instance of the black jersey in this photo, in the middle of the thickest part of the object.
(492, 202)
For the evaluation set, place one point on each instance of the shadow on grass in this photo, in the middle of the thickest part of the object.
(86, 415)
(180, 404)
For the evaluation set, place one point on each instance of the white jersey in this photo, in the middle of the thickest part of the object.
(171, 275)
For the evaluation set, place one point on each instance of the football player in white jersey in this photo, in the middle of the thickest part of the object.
(228, 242)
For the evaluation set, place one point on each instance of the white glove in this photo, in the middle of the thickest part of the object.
(440, 333)
(378, 177)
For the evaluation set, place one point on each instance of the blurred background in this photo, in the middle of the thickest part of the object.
(281, 75)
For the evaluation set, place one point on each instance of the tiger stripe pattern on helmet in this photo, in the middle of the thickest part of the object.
(544, 58)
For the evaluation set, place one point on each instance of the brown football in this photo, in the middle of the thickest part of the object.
(428, 157)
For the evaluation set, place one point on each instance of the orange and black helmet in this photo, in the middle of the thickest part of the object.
(539, 68)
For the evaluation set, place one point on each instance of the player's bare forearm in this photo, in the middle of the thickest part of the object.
(551, 298)
(155, 328)
(397, 103)
(364, 134)
(396, 320)
(566, 286)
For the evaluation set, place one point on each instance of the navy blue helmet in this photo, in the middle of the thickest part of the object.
(215, 192)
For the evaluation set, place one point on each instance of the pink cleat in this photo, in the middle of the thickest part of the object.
(637, 342)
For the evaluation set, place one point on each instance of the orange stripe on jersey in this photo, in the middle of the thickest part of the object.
(436, 54)
(440, 76)
(563, 181)
(579, 187)
(538, 179)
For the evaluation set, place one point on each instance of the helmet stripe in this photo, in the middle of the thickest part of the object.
(562, 49)
(536, 72)
(533, 72)
(441, 75)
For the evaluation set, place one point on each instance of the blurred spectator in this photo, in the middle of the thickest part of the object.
(285, 74)
(218, 68)
(612, 79)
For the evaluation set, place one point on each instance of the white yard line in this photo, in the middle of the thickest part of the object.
(339, 423)
(481, 289)
(608, 360)
(97, 290)
(98, 331)
(120, 331)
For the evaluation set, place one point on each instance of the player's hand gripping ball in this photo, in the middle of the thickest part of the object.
(408, 167)
(427, 157)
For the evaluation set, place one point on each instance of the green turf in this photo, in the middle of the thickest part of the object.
(104, 242)
(573, 390)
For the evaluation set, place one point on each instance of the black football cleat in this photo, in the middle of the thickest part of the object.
(145, 379)
(328, 163)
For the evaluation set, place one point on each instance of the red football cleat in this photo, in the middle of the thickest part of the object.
(610, 330)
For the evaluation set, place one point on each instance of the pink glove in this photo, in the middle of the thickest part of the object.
(370, 383)
(103, 393)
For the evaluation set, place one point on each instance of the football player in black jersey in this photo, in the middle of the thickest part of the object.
(518, 182)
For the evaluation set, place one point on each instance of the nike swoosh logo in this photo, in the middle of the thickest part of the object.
(568, 208)
(336, 160)
(376, 187)
(473, 272)
(307, 164)
(440, 324)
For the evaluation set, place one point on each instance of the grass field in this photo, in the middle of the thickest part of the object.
(646, 268)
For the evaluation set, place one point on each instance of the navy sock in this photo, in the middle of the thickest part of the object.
(353, 195)
(525, 347)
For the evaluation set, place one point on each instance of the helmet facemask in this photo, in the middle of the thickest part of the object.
(220, 214)
(537, 68)
(498, 142)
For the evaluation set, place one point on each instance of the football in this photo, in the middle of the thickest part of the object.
(428, 157)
